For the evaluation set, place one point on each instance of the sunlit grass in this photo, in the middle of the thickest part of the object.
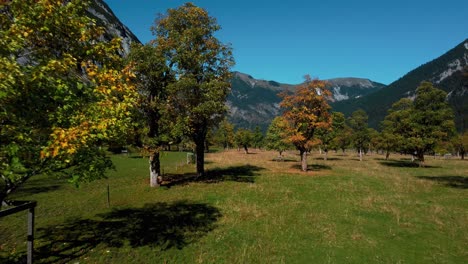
(252, 209)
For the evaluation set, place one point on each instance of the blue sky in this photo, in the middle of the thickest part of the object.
(283, 40)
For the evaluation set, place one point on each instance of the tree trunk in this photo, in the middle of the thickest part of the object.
(304, 160)
(387, 155)
(326, 154)
(421, 159)
(246, 150)
(462, 155)
(207, 146)
(360, 154)
(200, 156)
(155, 170)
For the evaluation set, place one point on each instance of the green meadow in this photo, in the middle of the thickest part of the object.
(250, 209)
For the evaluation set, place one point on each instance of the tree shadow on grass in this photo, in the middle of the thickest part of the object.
(159, 225)
(458, 182)
(245, 173)
(312, 167)
(329, 158)
(39, 184)
(404, 164)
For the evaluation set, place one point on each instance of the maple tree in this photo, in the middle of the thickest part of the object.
(306, 111)
(276, 136)
(422, 124)
(244, 138)
(224, 135)
(460, 143)
(328, 135)
(154, 77)
(360, 136)
(63, 92)
(202, 65)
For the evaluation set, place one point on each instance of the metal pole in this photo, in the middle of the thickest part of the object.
(108, 196)
(30, 235)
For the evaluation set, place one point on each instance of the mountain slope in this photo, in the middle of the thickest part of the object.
(255, 102)
(104, 17)
(445, 72)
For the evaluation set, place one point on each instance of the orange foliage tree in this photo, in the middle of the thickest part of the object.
(306, 111)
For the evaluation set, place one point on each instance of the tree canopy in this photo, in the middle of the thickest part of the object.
(201, 63)
(423, 123)
(360, 136)
(63, 91)
(306, 111)
(277, 137)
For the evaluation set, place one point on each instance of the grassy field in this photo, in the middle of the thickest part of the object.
(251, 210)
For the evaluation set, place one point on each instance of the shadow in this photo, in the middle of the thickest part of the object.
(246, 173)
(159, 225)
(137, 157)
(321, 158)
(312, 167)
(39, 184)
(404, 164)
(283, 160)
(458, 182)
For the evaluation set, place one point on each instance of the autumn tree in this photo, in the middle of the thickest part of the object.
(244, 138)
(154, 77)
(277, 137)
(224, 135)
(306, 111)
(342, 139)
(201, 64)
(257, 137)
(395, 124)
(358, 122)
(63, 92)
(460, 143)
(326, 136)
(424, 122)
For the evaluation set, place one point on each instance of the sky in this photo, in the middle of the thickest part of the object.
(282, 40)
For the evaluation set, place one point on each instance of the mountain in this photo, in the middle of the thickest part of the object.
(255, 102)
(445, 72)
(350, 88)
(104, 17)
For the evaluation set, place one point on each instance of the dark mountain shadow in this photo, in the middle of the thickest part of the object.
(159, 225)
(458, 182)
(245, 173)
(312, 167)
(404, 164)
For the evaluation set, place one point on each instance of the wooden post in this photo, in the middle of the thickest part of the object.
(108, 196)
(30, 235)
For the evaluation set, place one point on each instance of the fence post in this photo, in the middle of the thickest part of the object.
(30, 235)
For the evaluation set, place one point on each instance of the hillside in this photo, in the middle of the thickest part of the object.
(104, 16)
(255, 102)
(444, 72)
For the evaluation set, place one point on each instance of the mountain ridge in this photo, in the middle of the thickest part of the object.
(255, 102)
(445, 72)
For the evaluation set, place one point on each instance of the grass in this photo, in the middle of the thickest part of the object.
(252, 209)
